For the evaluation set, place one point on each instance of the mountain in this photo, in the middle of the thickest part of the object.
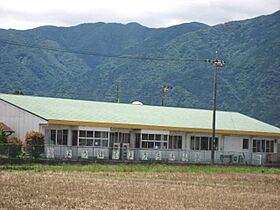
(249, 82)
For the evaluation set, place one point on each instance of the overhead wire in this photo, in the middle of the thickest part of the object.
(106, 55)
(82, 52)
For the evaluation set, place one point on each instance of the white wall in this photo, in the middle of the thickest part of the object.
(19, 120)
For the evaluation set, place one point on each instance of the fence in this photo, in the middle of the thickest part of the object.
(74, 153)
(152, 155)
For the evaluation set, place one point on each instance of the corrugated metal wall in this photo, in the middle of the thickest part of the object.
(19, 120)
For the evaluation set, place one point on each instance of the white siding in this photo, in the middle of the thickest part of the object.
(160, 132)
(94, 128)
(233, 143)
(19, 120)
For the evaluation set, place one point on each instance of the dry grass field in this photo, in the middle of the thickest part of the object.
(137, 190)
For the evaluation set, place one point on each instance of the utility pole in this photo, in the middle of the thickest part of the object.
(164, 89)
(216, 64)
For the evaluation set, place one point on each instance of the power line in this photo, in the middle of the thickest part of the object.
(81, 52)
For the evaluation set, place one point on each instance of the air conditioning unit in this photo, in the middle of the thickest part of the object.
(235, 159)
(172, 156)
(197, 157)
(100, 154)
(158, 155)
(185, 157)
(68, 154)
(257, 159)
(130, 154)
(84, 154)
(145, 155)
(116, 154)
(50, 152)
(241, 159)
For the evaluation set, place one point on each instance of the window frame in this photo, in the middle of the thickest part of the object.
(60, 137)
(152, 141)
(196, 143)
(175, 142)
(246, 143)
(93, 138)
(263, 146)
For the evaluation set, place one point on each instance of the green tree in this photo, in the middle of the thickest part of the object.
(18, 92)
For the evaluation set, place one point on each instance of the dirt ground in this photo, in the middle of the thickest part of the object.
(102, 190)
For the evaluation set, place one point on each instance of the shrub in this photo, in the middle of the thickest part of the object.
(34, 143)
(3, 138)
(14, 146)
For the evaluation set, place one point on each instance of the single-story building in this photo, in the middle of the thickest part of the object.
(79, 129)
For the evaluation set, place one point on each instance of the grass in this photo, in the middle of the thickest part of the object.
(141, 168)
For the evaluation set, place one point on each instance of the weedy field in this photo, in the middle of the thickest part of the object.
(139, 187)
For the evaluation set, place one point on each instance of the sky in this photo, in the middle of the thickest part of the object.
(26, 14)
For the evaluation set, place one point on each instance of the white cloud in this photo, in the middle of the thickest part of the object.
(25, 14)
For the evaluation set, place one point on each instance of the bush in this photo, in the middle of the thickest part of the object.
(24, 156)
(34, 143)
(3, 138)
(14, 146)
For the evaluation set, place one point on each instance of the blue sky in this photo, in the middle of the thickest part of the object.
(26, 14)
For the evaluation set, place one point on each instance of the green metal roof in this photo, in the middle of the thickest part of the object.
(104, 112)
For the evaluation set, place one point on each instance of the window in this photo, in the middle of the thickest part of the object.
(74, 138)
(93, 138)
(203, 143)
(97, 134)
(82, 133)
(105, 143)
(157, 145)
(195, 141)
(245, 144)
(82, 142)
(150, 145)
(59, 137)
(117, 137)
(156, 141)
(90, 134)
(158, 137)
(138, 139)
(216, 143)
(144, 136)
(100, 139)
(125, 138)
(97, 142)
(53, 137)
(85, 138)
(262, 145)
(151, 137)
(175, 142)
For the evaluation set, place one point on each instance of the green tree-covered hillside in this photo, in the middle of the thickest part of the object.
(249, 83)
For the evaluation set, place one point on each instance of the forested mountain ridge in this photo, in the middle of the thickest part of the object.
(249, 83)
